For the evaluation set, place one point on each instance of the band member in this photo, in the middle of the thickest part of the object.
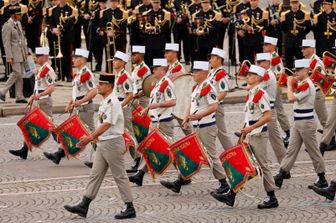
(274, 28)
(44, 87)
(204, 28)
(113, 22)
(194, 7)
(325, 28)
(180, 27)
(157, 30)
(201, 114)
(162, 102)
(110, 152)
(257, 115)
(225, 7)
(219, 79)
(252, 27)
(308, 51)
(304, 130)
(34, 25)
(239, 12)
(175, 68)
(317, 6)
(5, 12)
(83, 91)
(16, 53)
(62, 20)
(269, 84)
(139, 72)
(295, 23)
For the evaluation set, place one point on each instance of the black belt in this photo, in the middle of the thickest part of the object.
(163, 120)
(205, 125)
(40, 91)
(81, 97)
(120, 99)
(264, 129)
(317, 89)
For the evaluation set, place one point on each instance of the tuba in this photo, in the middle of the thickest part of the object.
(284, 74)
(322, 81)
(329, 59)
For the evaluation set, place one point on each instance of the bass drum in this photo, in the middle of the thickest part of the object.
(183, 88)
(147, 83)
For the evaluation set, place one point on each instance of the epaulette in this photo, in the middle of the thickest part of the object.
(193, 16)
(307, 15)
(220, 74)
(74, 11)
(194, 87)
(122, 79)
(266, 77)
(280, 7)
(302, 87)
(163, 86)
(316, 18)
(2, 10)
(101, 13)
(167, 15)
(44, 72)
(142, 71)
(235, 9)
(258, 96)
(302, 6)
(275, 61)
(44, 11)
(136, 9)
(312, 3)
(313, 64)
(283, 15)
(205, 90)
(265, 14)
(125, 13)
(85, 77)
(218, 16)
(177, 68)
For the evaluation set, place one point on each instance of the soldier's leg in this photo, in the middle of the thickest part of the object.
(320, 108)
(329, 129)
(241, 49)
(223, 136)
(14, 78)
(86, 114)
(45, 105)
(99, 168)
(232, 44)
(259, 146)
(186, 49)
(208, 136)
(275, 138)
(280, 112)
(144, 101)
(114, 155)
(289, 57)
(221, 35)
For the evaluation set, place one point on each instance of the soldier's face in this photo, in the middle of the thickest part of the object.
(295, 5)
(18, 17)
(156, 5)
(159, 72)
(253, 79)
(102, 5)
(205, 5)
(264, 64)
(79, 62)
(254, 3)
(13, 2)
(114, 4)
(199, 75)
(103, 88)
(268, 48)
(117, 64)
(301, 74)
(41, 59)
(307, 51)
(170, 56)
(135, 58)
(326, 6)
(215, 61)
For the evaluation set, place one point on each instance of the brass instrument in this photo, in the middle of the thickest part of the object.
(92, 5)
(329, 59)
(59, 54)
(256, 23)
(244, 68)
(44, 42)
(284, 74)
(156, 28)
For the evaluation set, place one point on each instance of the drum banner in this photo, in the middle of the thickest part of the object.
(321, 81)
(140, 124)
(189, 155)
(69, 134)
(35, 127)
(237, 162)
(156, 152)
(129, 141)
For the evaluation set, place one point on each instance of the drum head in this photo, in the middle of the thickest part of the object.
(147, 83)
(183, 88)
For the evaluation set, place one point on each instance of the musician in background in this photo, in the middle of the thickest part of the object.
(175, 68)
(34, 24)
(325, 28)
(113, 24)
(194, 7)
(157, 29)
(62, 20)
(274, 28)
(295, 24)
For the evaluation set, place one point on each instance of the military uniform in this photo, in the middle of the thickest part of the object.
(219, 79)
(275, 30)
(97, 40)
(295, 25)
(34, 28)
(139, 74)
(192, 9)
(175, 69)
(137, 37)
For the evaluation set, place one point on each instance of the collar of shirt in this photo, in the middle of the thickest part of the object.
(171, 66)
(214, 71)
(105, 100)
(254, 90)
(120, 72)
(80, 71)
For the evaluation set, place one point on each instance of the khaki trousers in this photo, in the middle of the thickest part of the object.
(143, 101)
(128, 125)
(223, 136)
(280, 111)
(15, 78)
(110, 153)
(258, 143)
(303, 132)
(275, 138)
(86, 113)
(208, 136)
(329, 128)
(320, 108)
(46, 105)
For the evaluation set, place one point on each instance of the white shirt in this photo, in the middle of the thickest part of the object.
(305, 94)
(44, 78)
(174, 69)
(123, 84)
(219, 79)
(276, 63)
(269, 84)
(110, 111)
(82, 83)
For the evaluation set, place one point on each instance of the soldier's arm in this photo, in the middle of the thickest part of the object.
(6, 38)
(308, 23)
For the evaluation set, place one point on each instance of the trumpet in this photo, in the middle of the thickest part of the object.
(244, 68)
(329, 60)
(283, 76)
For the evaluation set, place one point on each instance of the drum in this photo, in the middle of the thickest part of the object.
(147, 83)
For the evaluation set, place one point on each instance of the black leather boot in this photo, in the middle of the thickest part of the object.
(320, 182)
(223, 187)
(228, 198)
(278, 179)
(174, 186)
(269, 202)
(81, 209)
(55, 157)
(328, 192)
(137, 178)
(135, 165)
(127, 212)
(22, 153)
(323, 148)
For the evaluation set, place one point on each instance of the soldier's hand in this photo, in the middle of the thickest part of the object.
(178, 20)
(185, 124)
(246, 130)
(69, 107)
(194, 117)
(101, 33)
(30, 20)
(198, 33)
(76, 103)
(290, 80)
(55, 31)
(154, 106)
(84, 141)
(10, 61)
(30, 100)
(241, 33)
(226, 20)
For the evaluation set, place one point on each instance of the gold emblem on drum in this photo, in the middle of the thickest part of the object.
(183, 162)
(33, 132)
(136, 130)
(152, 157)
(68, 142)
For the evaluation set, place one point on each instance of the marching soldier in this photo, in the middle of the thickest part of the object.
(257, 115)
(274, 28)
(113, 22)
(83, 91)
(269, 84)
(34, 25)
(325, 28)
(304, 130)
(157, 29)
(204, 29)
(110, 152)
(295, 23)
(123, 88)
(175, 68)
(194, 7)
(162, 102)
(44, 87)
(239, 11)
(252, 27)
(180, 27)
(270, 46)
(201, 114)
(219, 79)
(139, 72)
(62, 20)
(317, 7)
(308, 51)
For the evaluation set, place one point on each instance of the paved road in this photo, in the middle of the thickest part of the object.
(36, 190)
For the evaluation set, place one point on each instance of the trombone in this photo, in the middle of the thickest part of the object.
(110, 30)
(58, 52)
